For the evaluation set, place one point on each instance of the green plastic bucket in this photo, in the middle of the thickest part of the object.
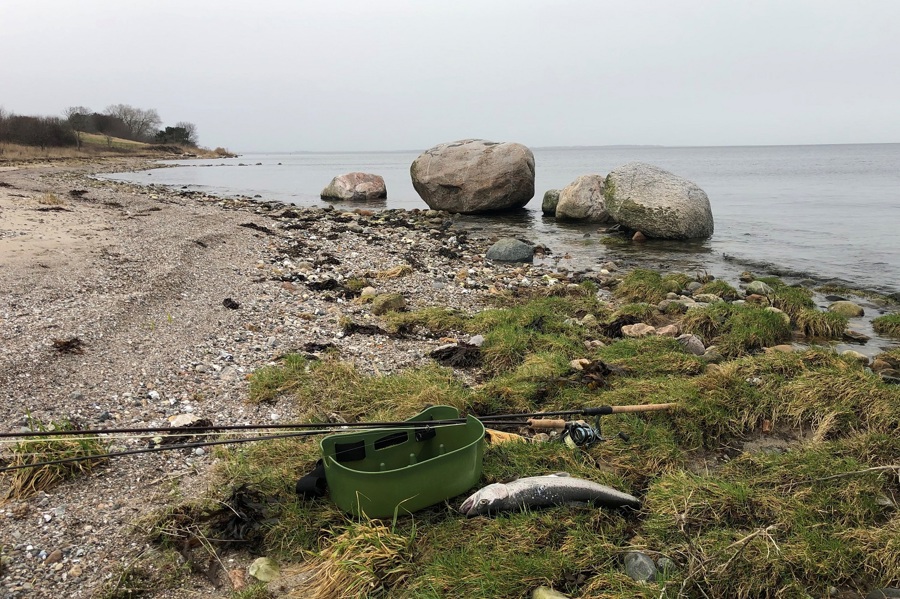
(385, 472)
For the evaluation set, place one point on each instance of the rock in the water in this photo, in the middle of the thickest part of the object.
(511, 250)
(646, 198)
(355, 186)
(388, 302)
(846, 308)
(692, 344)
(638, 330)
(640, 566)
(582, 199)
(855, 336)
(474, 175)
(551, 199)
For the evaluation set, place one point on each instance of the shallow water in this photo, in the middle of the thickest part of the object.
(827, 212)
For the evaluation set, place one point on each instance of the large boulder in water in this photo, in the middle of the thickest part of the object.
(474, 175)
(646, 198)
(582, 199)
(355, 186)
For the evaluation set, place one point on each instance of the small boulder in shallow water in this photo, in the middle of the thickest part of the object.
(846, 308)
(355, 186)
(551, 199)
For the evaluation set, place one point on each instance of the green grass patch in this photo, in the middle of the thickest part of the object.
(820, 325)
(888, 325)
(32, 452)
(641, 285)
(737, 329)
(769, 478)
(792, 300)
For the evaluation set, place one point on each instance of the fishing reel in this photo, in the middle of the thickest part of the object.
(582, 434)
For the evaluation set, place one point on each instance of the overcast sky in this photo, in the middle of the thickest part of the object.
(282, 75)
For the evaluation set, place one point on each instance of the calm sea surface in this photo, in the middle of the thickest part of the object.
(829, 212)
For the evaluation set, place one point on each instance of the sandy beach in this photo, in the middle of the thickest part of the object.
(138, 276)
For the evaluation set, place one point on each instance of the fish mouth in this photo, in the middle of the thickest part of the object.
(467, 505)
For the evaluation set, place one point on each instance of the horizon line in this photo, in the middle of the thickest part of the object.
(581, 147)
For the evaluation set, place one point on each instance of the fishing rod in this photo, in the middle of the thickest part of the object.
(231, 427)
(159, 448)
(581, 434)
(497, 419)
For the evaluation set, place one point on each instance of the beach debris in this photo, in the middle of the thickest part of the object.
(457, 355)
(394, 272)
(547, 593)
(264, 569)
(495, 437)
(259, 228)
(542, 491)
(230, 304)
(72, 345)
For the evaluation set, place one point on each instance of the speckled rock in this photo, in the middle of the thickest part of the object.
(474, 175)
(646, 198)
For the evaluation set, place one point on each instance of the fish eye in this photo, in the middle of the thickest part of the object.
(483, 502)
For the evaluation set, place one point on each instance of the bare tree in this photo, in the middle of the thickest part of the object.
(78, 117)
(141, 123)
(190, 130)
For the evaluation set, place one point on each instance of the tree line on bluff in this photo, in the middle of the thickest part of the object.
(116, 121)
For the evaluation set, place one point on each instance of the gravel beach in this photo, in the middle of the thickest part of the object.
(140, 277)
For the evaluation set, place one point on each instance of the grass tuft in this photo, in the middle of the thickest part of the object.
(888, 325)
(26, 482)
(820, 325)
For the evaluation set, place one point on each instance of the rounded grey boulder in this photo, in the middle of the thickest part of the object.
(474, 175)
(582, 199)
(646, 198)
(510, 250)
(355, 186)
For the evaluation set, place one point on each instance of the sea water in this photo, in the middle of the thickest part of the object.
(829, 212)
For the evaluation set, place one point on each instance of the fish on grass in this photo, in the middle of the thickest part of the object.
(542, 491)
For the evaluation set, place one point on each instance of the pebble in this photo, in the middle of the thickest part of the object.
(640, 566)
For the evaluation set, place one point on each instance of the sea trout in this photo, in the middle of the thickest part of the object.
(539, 491)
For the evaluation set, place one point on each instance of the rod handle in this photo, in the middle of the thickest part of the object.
(538, 424)
(604, 410)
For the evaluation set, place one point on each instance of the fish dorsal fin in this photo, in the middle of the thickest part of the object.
(561, 474)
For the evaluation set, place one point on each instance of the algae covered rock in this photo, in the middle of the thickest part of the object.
(474, 175)
(388, 302)
(846, 308)
(548, 204)
(661, 205)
